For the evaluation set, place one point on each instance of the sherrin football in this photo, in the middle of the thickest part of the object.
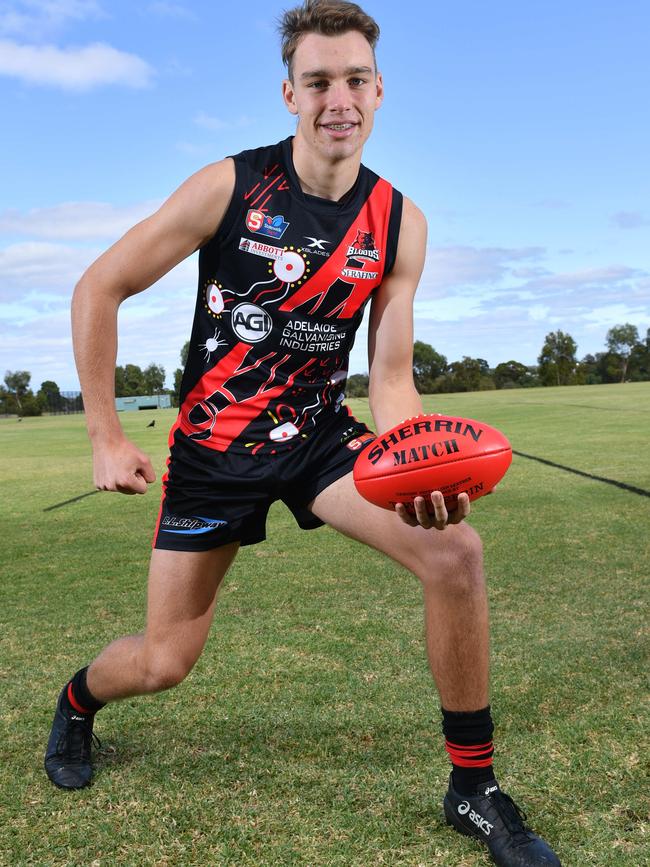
(432, 453)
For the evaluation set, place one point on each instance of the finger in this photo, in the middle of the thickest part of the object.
(147, 471)
(440, 513)
(461, 511)
(139, 484)
(421, 512)
(405, 515)
(133, 484)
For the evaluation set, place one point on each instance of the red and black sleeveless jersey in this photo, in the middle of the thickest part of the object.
(282, 288)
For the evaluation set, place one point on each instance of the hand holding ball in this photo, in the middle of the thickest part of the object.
(432, 453)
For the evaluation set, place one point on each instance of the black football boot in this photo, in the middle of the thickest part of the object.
(67, 758)
(493, 818)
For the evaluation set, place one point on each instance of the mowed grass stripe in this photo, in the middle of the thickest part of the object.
(308, 733)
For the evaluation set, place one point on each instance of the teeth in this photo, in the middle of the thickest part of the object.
(339, 126)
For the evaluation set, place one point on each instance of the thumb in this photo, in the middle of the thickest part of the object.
(148, 472)
(139, 485)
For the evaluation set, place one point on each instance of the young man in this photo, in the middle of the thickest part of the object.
(295, 238)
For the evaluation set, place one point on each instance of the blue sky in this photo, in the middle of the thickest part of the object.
(521, 129)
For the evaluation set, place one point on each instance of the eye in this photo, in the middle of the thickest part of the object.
(318, 85)
(357, 82)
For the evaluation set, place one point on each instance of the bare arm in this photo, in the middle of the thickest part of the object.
(148, 251)
(392, 392)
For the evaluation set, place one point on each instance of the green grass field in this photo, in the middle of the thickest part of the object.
(308, 733)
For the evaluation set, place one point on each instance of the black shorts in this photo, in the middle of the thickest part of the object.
(213, 498)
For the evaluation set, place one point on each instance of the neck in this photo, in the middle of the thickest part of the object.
(318, 176)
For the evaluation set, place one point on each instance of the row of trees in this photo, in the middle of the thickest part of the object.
(16, 396)
(626, 357)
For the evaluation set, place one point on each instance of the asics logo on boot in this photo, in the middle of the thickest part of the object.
(78, 718)
(481, 823)
(491, 789)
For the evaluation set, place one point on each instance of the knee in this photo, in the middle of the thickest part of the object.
(164, 670)
(454, 562)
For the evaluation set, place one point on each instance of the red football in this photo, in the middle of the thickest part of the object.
(432, 453)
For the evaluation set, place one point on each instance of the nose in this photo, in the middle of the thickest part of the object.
(338, 97)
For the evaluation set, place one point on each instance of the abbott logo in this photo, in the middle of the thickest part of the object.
(251, 323)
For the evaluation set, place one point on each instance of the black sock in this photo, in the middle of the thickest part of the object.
(78, 697)
(468, 740)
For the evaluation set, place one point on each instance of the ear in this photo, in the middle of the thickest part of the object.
(380, 91)
(289, 96)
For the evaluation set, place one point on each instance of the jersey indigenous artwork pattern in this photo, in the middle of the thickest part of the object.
(282, 289)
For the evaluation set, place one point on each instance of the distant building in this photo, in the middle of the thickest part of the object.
(147, 401)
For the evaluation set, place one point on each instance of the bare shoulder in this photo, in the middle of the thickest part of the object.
(411, 246)
(215, 178)
(202, 200)
(413, 218)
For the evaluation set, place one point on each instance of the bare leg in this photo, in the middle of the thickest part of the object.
(181, 597)
(449, 565)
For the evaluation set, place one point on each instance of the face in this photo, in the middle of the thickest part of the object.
(335, 93)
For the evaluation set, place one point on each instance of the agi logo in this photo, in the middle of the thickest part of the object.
(263, 224)
(250, 323)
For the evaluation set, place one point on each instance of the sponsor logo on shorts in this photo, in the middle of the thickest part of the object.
(357, 443)
(251, 323)
(264, 224)
(192, 526)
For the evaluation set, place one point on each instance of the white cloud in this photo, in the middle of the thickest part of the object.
(193, 150)
(450, 309)
(616, 314)
(629, 219)
(35, 320)
(41, 267)
(529, 273)
(35, 18)
(539, 312)
(217, 124)
(74, 68)
(76, 221)
(463, 265)
(485, 302)
(171, 10)
(585, 278)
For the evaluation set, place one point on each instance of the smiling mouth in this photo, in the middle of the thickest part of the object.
(338, 127)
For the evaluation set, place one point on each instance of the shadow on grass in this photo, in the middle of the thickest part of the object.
(623, 485)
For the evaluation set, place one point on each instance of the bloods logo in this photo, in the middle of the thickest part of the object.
(363, 247)
(250, 323)
(263, 224)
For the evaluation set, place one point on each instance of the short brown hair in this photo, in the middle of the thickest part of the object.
(327, 17)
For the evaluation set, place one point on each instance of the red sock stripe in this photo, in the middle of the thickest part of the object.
(75, 704)
(483, 747)
(470, 756)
